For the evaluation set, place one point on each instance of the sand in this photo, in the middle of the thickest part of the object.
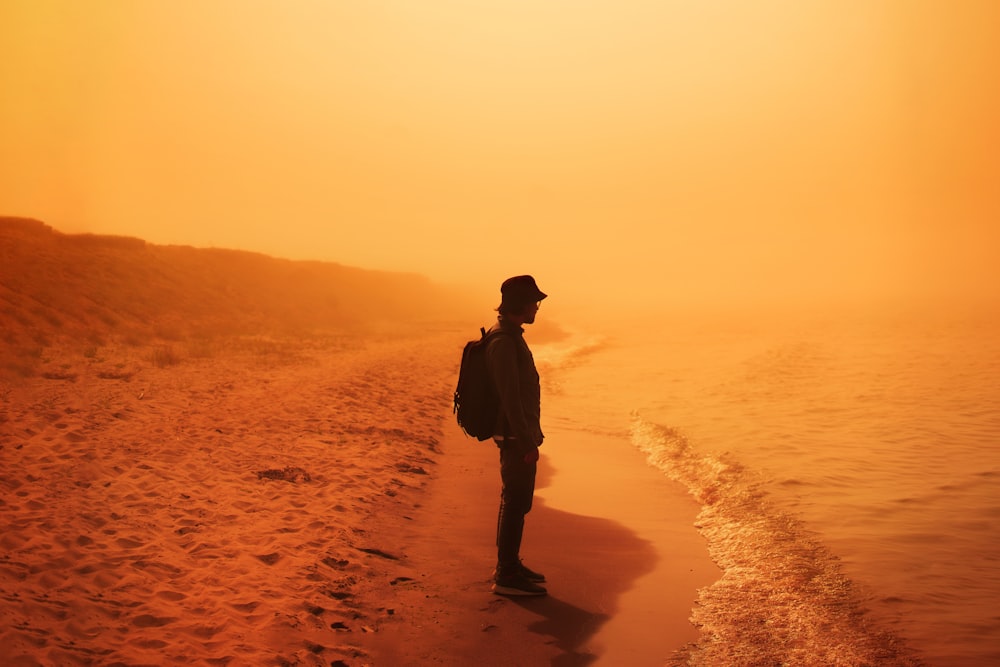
(313, 503)
(620, 591)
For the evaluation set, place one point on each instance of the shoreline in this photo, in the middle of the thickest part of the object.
(607, 479)
(621, 586)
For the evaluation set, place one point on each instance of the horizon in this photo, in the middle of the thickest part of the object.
(655, 154)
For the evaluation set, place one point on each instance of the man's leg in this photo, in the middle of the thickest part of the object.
(516, 494)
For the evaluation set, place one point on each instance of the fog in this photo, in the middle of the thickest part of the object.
(659, 153)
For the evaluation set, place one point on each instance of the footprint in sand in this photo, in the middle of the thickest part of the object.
(173, 596)
(126, 543)
(150, 621)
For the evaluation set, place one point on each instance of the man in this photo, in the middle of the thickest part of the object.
(518, 432)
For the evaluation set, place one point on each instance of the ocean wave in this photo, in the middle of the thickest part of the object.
(554, 358)
(782, 598)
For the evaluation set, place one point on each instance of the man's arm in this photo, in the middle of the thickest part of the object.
(501, 357)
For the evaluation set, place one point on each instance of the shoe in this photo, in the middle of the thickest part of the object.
(528, 573)
(517, 584)
(531, 575)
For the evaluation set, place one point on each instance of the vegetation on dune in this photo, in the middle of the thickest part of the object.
(90, 291)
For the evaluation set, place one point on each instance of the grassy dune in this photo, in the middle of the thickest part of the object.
(86, 292)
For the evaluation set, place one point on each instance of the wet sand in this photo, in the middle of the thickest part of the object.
(618, 547)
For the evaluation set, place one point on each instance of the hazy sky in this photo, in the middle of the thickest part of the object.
(636, 150)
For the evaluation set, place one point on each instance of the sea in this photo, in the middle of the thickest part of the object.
(846, 463)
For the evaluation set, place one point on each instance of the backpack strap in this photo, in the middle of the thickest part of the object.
(486, 337)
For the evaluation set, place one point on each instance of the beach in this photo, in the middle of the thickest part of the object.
(224, 458)
(620, 589)
(215, 510)
(220, 457)
(243, 245)
(300, 502)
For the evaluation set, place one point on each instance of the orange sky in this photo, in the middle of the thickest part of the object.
(659, 150)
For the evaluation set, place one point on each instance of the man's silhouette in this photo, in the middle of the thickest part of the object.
(518, 432)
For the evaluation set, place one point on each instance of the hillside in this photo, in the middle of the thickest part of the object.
(89, 291)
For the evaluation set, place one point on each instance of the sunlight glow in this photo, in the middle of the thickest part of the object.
(663, 150)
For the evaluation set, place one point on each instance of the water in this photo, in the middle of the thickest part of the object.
(848, 470)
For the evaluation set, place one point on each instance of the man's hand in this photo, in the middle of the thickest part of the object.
(531, 456)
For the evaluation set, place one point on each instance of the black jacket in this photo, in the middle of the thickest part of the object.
(512, 370)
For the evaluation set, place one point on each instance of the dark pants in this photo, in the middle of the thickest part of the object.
(516, 492)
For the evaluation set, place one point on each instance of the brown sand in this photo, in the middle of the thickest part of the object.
(312, 504)
(216, 510)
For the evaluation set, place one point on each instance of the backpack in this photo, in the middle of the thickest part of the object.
(476, 400)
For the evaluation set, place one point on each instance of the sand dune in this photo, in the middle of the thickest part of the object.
(85, 292)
